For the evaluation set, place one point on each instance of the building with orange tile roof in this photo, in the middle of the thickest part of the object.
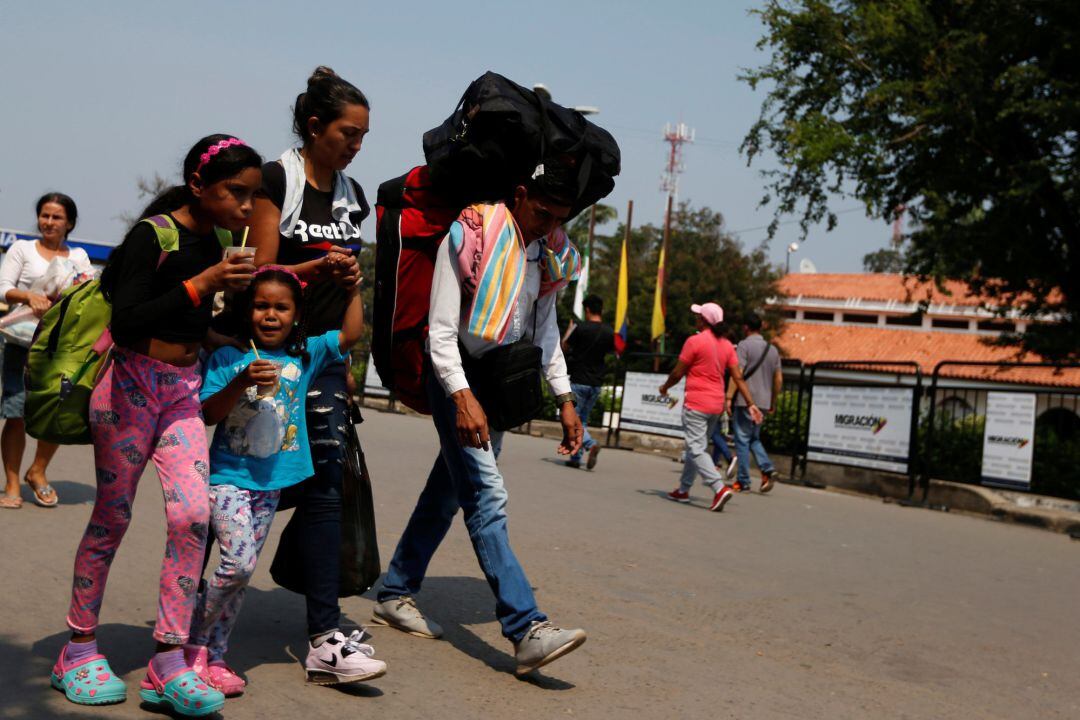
(886, 317)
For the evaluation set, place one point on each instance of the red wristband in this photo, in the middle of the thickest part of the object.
(192, 293)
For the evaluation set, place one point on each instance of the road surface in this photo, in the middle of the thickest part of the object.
(799, 604)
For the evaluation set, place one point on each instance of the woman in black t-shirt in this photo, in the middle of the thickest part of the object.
(307, 218)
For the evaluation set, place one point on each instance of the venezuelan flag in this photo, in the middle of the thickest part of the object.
(622, 300)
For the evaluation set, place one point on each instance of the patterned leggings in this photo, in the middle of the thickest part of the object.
(241, 520)
(143, 409)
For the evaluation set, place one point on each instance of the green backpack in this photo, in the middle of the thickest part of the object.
(70, 350)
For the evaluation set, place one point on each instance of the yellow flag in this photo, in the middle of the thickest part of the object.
(659, 308)
(622, 300)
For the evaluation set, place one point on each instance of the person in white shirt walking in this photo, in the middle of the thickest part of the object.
(476, 312)
(24, 263)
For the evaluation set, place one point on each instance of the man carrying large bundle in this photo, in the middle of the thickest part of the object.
(491, 336)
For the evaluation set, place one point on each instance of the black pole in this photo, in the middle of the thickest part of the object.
(931, 432)
(809, 416)
(913, 436)
(798, 419)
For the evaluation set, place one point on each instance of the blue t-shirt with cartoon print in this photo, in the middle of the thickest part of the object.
(263, 443)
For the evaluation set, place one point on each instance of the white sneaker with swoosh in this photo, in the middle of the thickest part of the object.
(340, 659)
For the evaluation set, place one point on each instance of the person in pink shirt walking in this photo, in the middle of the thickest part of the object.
(704, 358)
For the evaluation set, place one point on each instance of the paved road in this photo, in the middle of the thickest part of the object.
(800, 604)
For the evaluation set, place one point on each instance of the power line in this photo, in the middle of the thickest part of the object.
(791, 222)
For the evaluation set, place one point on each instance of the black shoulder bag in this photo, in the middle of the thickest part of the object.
(507, 380)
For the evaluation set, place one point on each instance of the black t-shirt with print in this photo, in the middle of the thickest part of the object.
(316, 231)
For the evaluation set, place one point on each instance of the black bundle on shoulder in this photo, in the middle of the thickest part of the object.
(502, 135)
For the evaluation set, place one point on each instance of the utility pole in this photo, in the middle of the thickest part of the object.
(675, 136)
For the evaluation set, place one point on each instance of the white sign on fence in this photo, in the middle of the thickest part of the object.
(373, 386)
(862, 426)
(1009, 439)
(644, 409)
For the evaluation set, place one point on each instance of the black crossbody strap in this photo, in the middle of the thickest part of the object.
(754, 368)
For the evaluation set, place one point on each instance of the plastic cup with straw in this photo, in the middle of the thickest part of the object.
(263, 390)
(240, 249)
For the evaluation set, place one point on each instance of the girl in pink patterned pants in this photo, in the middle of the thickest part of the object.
(160, 282)
(143, 409)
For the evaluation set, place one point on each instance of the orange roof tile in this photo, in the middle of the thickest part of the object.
(813, 342)
(875, 286)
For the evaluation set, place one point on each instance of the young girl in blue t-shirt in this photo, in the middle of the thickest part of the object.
(256, 398)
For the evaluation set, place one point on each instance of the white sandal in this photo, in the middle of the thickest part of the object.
(43, 490)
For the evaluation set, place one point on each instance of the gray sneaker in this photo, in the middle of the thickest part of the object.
(402, 613)
(544, 643)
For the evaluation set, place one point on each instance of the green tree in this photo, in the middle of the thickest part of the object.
(578, 229)
(967, 112)
(885, 260)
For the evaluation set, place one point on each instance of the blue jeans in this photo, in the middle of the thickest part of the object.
(585, 397)
(319, 500)
(747, 440)
(720, 447)
(469, 479)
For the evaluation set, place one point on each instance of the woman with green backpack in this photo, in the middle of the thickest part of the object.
(145, 406)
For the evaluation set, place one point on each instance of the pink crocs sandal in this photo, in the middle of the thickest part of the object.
(225, 679)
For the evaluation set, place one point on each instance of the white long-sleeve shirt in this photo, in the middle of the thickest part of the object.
(23, 266)
(445, 324)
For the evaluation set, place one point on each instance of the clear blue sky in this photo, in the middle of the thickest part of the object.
(96, 94)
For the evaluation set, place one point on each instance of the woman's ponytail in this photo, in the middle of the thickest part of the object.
(326, 96)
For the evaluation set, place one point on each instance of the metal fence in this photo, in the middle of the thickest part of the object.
(948, 422)
(953, 426)
(906, 376)
(782, 428)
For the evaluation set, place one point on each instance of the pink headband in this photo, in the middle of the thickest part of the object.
(283, 269)
(215, 149)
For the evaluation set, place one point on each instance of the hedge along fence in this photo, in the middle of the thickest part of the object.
(784, 429)
(1056, 465)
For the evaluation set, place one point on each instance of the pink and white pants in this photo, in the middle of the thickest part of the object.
(144, 409)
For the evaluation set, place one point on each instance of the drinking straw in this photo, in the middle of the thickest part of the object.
(255, 349)
(243, 238)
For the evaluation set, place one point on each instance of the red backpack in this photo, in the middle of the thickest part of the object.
(411, 221)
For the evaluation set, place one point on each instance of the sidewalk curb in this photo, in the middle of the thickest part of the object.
(943, 494)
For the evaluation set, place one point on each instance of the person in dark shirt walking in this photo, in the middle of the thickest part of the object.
(587, 346)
